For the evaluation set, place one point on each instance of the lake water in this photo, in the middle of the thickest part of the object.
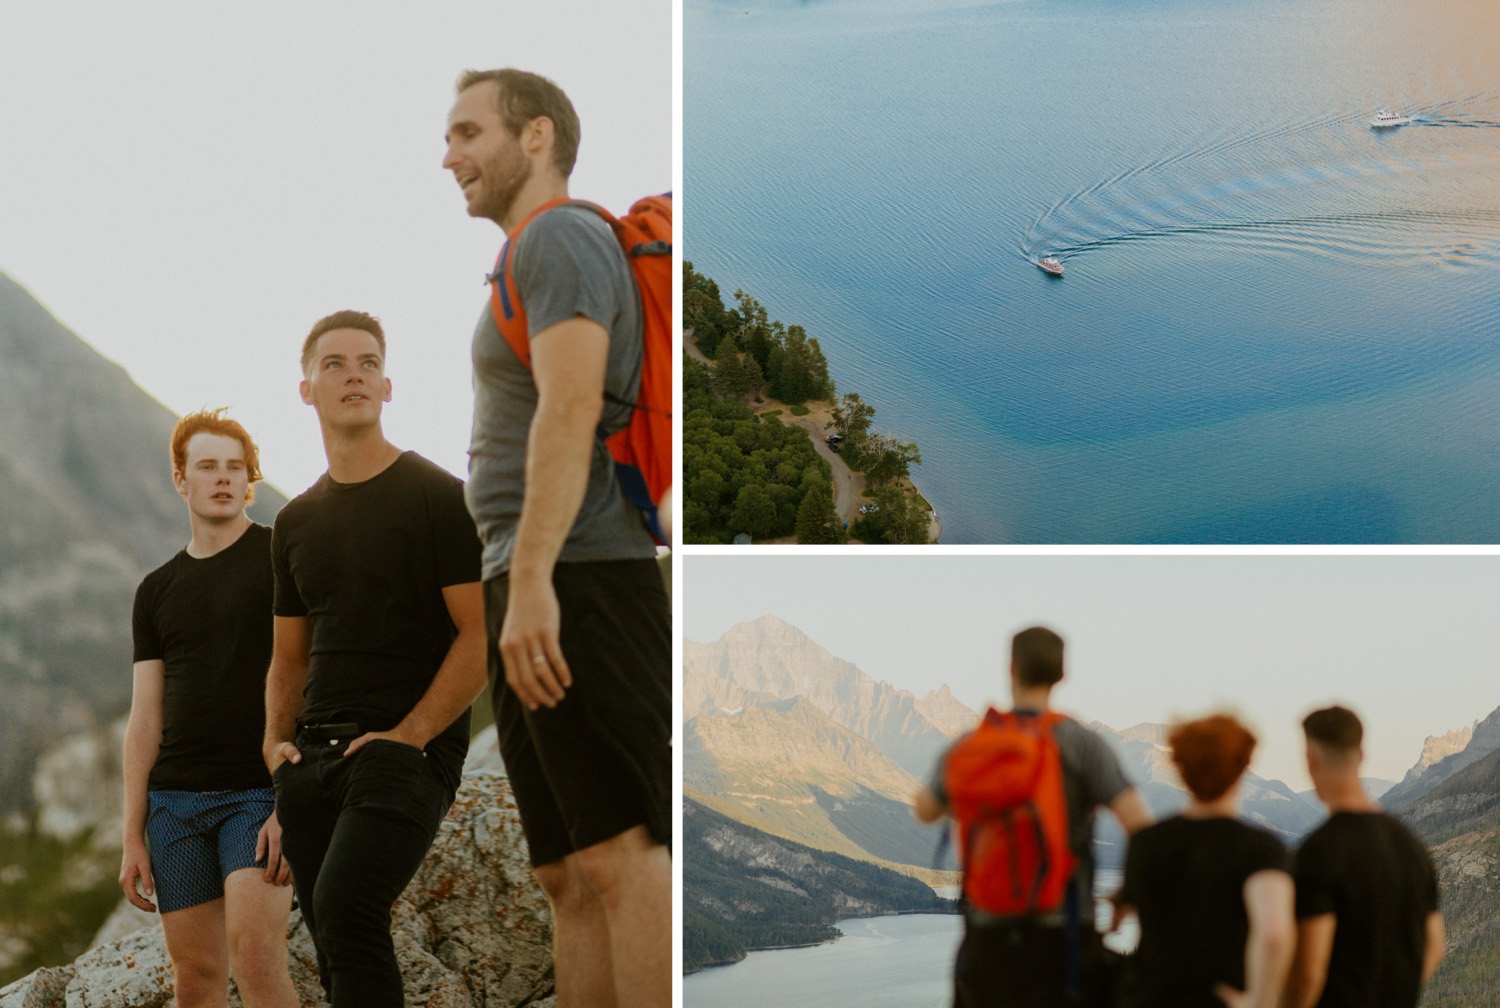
(880, 962)
(1277, 324)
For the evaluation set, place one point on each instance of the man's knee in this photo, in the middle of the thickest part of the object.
(623, 860)
(564, 884)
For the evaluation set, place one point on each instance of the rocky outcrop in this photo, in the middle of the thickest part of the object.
(1420, 780)
(472, 929)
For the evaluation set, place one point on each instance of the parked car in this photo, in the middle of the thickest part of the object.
(834, 438)
(868, 508)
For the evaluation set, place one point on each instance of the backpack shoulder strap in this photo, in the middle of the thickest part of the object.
(505, 297)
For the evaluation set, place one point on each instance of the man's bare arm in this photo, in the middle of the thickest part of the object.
(1268, 948)
(459, 679)
(142, 745)
(1131, 811)
(568, 363)
(290, 656)
(1437, 944)
(1310, 962)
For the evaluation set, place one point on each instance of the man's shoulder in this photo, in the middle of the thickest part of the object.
(153, 581)
(420, 468)
(567, 227)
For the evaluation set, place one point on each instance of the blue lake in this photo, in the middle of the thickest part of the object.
(880, 962)
(1277, 323)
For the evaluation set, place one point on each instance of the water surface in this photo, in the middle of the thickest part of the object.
(1277, 324)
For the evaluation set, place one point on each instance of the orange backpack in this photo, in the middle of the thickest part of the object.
(1005, 788)
(642, 449)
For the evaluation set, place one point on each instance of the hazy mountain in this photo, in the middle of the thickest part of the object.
(785, 767)
(1443, 757)
(771, 659)
(745, 889)
(88, 509)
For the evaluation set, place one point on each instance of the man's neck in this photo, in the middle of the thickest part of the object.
(210, 537)
(355, 456)
(1347, 794)
(541, 188)
(1031, 697)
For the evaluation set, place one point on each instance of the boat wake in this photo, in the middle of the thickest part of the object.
(1294, 188)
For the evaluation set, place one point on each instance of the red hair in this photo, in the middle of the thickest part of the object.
(1211, 754)
(215, 422)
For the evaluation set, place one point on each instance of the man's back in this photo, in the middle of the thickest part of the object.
(1376, 878)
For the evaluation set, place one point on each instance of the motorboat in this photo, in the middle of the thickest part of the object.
(1385, 118)
(1051, 264)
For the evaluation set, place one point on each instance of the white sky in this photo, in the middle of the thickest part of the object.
(188, 185)
(1409, 642)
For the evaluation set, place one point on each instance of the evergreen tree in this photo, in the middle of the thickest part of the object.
(817, 521)
(754, 512)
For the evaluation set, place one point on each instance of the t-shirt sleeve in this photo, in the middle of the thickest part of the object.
(1315, 894)
(456, 547)
(146, 639)
(286, 601)
(565, 265)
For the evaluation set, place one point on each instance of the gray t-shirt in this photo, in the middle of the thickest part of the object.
(567, 264)
(1091, 777)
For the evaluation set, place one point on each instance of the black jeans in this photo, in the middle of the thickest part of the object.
(355, 832)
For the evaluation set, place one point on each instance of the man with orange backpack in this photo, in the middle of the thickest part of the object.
(568, 354)
(1022, 789)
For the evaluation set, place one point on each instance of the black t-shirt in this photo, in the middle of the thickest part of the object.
(1377, 879)
(367, 563)
(1186, 879)
(209, 621)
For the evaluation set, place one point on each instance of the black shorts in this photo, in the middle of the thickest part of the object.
(600, 762)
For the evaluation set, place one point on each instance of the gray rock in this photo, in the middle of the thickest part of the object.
(473, 929)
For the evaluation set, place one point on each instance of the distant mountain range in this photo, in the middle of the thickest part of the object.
(790, 739)
(88, 509)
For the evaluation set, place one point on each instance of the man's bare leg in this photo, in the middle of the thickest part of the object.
(581, 952)
(255, 923)
(632, 877)
(199, 953)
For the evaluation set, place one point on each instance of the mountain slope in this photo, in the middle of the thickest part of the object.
(744, 889)
(1461, 819)
(785, 767)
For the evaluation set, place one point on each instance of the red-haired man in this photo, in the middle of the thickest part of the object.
(194, 780)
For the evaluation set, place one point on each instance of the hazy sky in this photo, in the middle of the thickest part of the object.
(189, 186)
(1410, 642)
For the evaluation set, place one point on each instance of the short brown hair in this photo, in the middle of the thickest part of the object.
(346, 319)
(522, 97)
(214, 422)
(1036, 654)
(1336, 728)
(1211, 754)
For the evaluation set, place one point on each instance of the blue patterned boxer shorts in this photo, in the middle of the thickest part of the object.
(198, 837)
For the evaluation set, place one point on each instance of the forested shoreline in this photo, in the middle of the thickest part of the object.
(747, 471)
